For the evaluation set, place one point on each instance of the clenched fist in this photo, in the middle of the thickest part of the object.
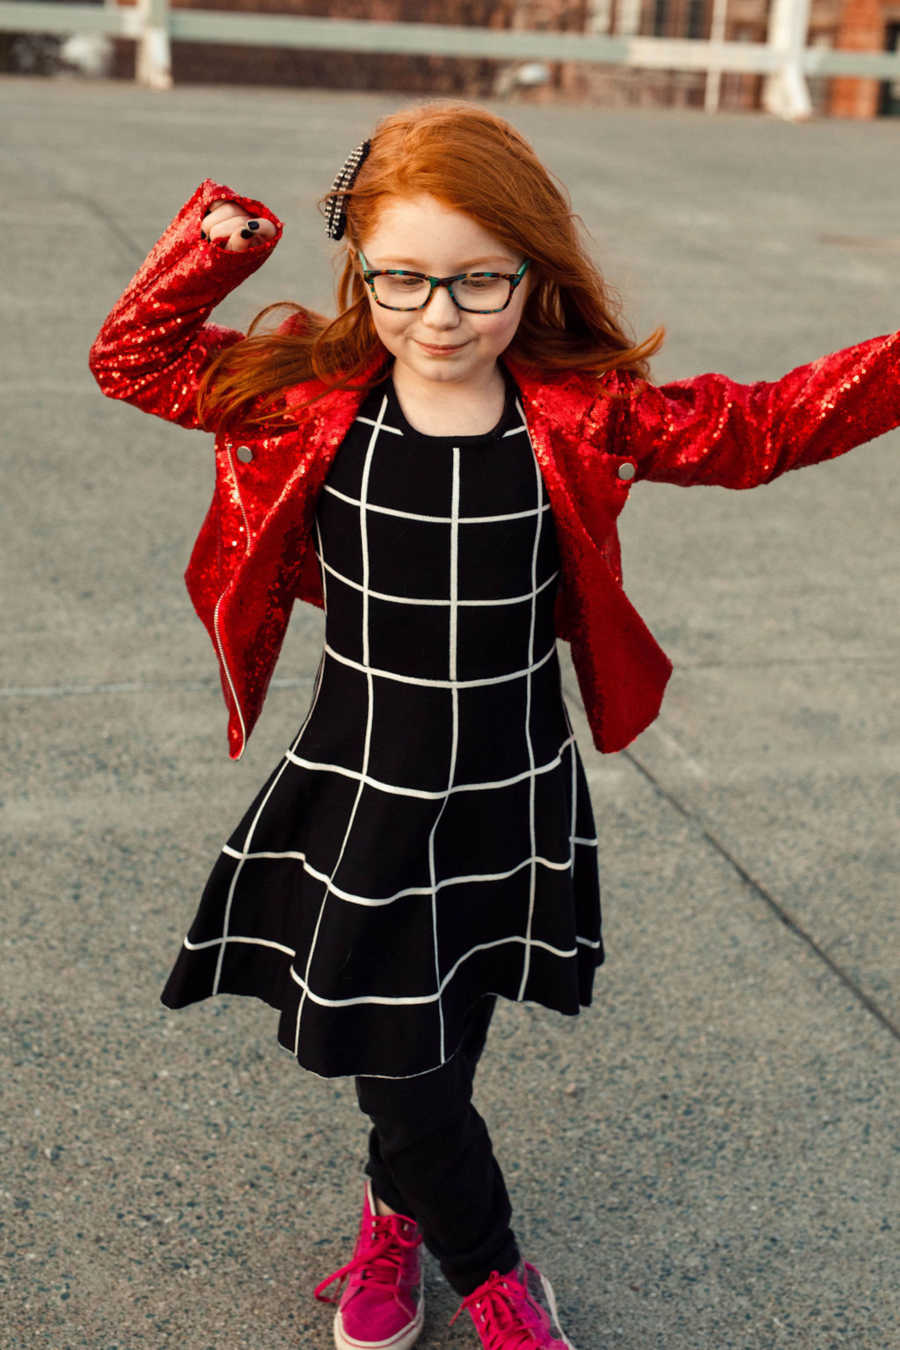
(230, 227)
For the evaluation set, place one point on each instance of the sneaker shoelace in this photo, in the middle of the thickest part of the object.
(502, 1306)
(381, 1260)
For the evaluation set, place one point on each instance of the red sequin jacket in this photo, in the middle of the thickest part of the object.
(253, 556)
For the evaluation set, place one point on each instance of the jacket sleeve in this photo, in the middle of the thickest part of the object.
(155, 342)
(712, 430)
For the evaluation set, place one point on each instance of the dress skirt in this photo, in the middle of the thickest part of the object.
(428, 837)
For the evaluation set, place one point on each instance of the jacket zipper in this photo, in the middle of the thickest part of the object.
(219, 648)
(224, 665)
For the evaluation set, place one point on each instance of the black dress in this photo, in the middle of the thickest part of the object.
(428, 837)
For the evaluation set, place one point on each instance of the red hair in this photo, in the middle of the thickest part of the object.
(475, 162)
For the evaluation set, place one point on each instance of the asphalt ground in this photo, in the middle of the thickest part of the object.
(706, 1159)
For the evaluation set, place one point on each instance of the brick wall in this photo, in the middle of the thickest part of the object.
(862, 28)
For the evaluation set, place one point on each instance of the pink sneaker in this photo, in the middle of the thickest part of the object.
(382, 1306)
(516, 1312)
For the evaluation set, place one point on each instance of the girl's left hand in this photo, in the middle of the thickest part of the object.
(227, 224)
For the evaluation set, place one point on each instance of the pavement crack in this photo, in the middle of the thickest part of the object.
(767, 897)
(60, 188)
(101, 213)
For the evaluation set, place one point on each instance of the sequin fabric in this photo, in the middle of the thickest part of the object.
(593, 441)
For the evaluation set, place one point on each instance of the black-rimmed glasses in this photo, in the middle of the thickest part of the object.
(474, 292)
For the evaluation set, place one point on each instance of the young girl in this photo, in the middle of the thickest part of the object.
(440, 467)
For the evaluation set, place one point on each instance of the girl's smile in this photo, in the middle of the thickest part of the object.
(442, 350)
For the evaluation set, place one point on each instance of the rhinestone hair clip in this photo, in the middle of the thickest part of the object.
(335, 205)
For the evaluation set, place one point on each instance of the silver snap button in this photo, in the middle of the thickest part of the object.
(244, 454)
(625, 471)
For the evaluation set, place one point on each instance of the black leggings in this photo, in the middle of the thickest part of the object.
(430, 1157)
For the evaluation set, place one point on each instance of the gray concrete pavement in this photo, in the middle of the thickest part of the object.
(706, 1158)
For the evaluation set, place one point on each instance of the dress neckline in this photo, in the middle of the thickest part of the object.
(474, 439)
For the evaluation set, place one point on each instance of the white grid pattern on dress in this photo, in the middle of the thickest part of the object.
(453, 685)
(439, 600)
(432, 794)
(532, 880)
(454, 733)
(367, 466)
(244, 855)
(367, 669)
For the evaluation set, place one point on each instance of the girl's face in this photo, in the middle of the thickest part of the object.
(424, 235)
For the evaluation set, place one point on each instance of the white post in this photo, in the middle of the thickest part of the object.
(714, 77)
(599, 16)
(153, 66)
(628, 17)
(785, 91)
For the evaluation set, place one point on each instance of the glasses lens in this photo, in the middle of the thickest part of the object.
(477, 291)
(402, 292)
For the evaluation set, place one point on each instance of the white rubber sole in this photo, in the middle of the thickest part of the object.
(551, 1304)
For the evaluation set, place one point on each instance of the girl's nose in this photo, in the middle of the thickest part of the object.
(441, 310)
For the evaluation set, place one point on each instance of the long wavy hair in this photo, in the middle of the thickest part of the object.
(475, 162)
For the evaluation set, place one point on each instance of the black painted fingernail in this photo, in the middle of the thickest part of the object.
(202, 234)
(252, 224)
(246, 234)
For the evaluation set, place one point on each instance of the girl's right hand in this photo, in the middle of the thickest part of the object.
(229, 226)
